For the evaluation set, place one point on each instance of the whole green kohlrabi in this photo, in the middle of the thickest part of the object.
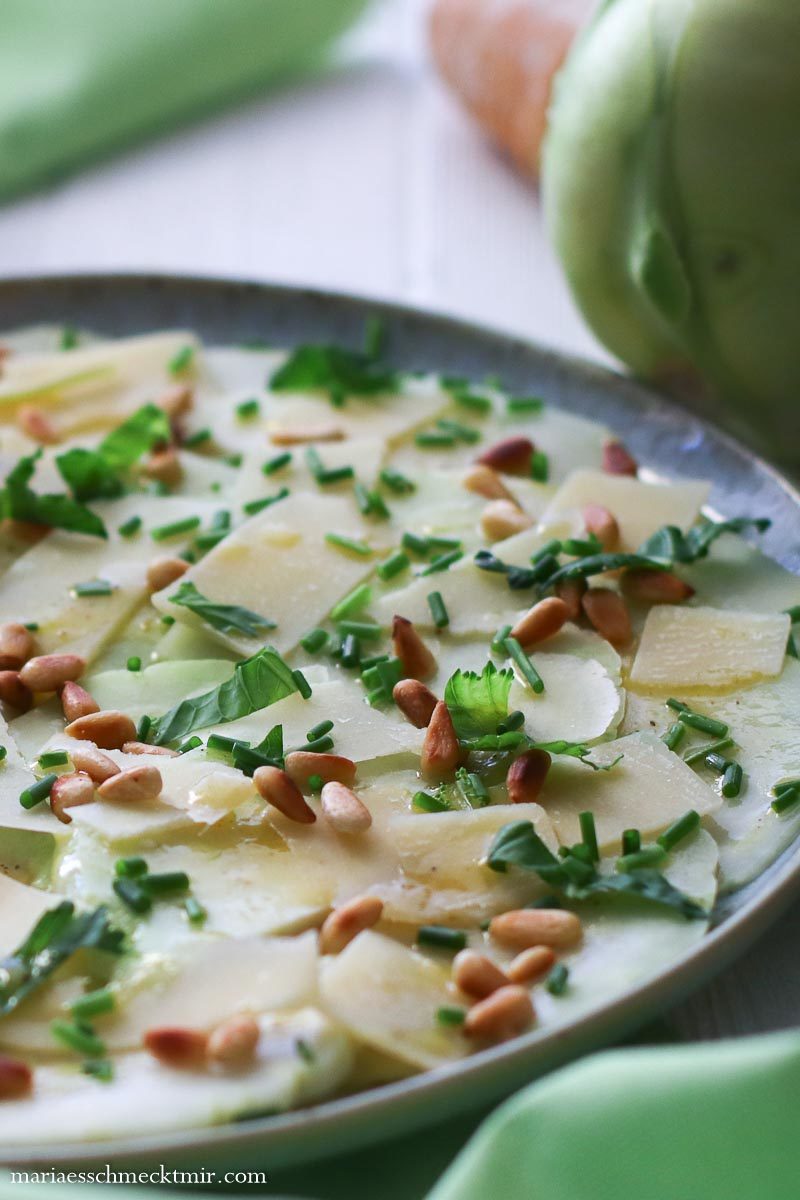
(671, 183)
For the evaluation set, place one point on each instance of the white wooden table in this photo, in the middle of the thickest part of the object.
(370, 180)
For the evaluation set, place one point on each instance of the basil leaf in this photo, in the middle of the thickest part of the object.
(335, 370)
(272, 744)
(19, 502)
(126, 444)
(88, 475)
(646, 885)
(477, 703)
(56, 936)
(227, 618)
(576, 750)
(256, 683)
(518, 843)
(669, 542)
(597, 564)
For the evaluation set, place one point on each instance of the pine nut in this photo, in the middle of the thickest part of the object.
(98, 766)
(415, 657)
(108, 729)
(602, 524)
(13, 691)
(70, 791)
(46, 672)
(608, 613)
(541, 622)
(76, 701)
(278, 789)
(29, 532)
(441, 752)
(483, 481)
(617, 460)
(526, 776)
(656, 587)
(571, 591)
(234, 1043)
(145, 748)
(177, 401)
(347, 921)
(503, 518)
(345, 812)
(512, 456)
(164, 466)
(161, 572)
(503, 1015)
(135, 785)
(177, 1047)
(522, 928)
(16, 646)
(16, 1078)
(476, 975)
(36, 424)
(301, 765)
(415, 701)
(531, 964)
(297, 436)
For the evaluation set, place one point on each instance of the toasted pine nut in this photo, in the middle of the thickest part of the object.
(16, 1078)
(134, 785)
(301, 765)
(415, 701)
(35, 423)
(416, 659)
(617, 460)
(540, 622)
(144, 748)
(296, 436)
(278, 789)
(656, 587)
(571, 591)
(476, 975)
(177, 1047)
(161, 572)
(347, 921)
(98, 766)
(524, 927)
(502, 1015)
(608, 613)
(76, 701)
(177, 400)
(512, 456)
(70, 791)
(16, 646)
(441, 752)
(485, 482)
(13, 691)
(503, 518)
(109, 729)
(526, 775)
(531, 964)
(234, 1043)
(164, 466)
(29, 532)
(47, 672)
(345, 812)
(603, 524)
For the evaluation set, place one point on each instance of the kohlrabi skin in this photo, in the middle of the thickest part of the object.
(671, 185)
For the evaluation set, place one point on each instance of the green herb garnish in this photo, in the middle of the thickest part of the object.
(227, 618)
(19, 502)
(477, 703)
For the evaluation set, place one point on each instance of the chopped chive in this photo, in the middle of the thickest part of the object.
(472, 401)
(472, 789)
(144, 726)
(3, 753)
(557, 980)
(37, 792)
(130, 527)
(393, 565)
(302, 684)
(791, 647)
(442, 562)
(717, 762)
(581, 547)
(189, 743)
(168, 883)
(427, 803)
(497, 645)
(92, 1004)
(256, 506)
(515, 720)
(319, 730)
(732, 780)
(548, 550)
(439, 613)
(361, 493)
(449, 1015)
(378, 507)
(99, 1068)
(545, 902)
(438, 541)
(577, 869)
(314, 640)
(462, 433)
(167, 620)
(347, 543)
(540, 466)
(397, 482)
(674, 735)
(434, 439)
(529, 672)
(181, 361)
(32, 626)
(353, 602)
(221, 519)
(197, 438)
(233, 460)
(710, 748)
(677, 705)
(134, 663)
(175, 528)
(132, 894)
(277, 463)
(648, 856)
(374, 336)
(69, 338)
(441, 937)
(678, 830)
(416, 544)
(524, 404)
(93, 587)
(793, 614)
(207, 541)
(589, 835)
(194, 910)
(223, 745)
(350, 651)
(130, 868)
(786, 795)
(315, 783)
(366, 631)
(631, 842)
(53, 758)
(247, 409)
(320, 745)
(80, 1038)
(705, 724)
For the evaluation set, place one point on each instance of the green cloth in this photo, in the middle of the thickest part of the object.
(79, 78)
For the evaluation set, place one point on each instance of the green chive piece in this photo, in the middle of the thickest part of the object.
(702, 752)
(472, 789)
(361, 494)
(732, 780)
(472, 401)
(162, 532)
(132, 894)
(194, 910)
(450, 1014)
(315, 783)
(134, 663)
(431, 439)
(441, 937)
(393, 565)
(515, 720)
(248, 409)
(416, 544)
(397, 482)
(548, 550)
(99, 1068)
(223, 745)
(189, 743)
(130, 527)
(32, 626)
(648, 856)
(557, 980)
(277, 463)
(92, 1004)
(425, 802)
(545, 902)
(335, 475)
(439, 613)
(717, 762)
(319, 730)
(677, 705)
(631, 842)
(529, 672)
(256, 506)
(93, 587)
(302, 684)
(143, 728)
(167, 620)
(577, 869)
(679, 830)
(589, 834)
(314, 640)
(366, 631)
(442, 562)
(462, 433)
(68, 339)
(674, 735)
(130, 868)
(197, 438)
(346, 543)
(786, 795)
(80, 1038)
(53, 758)
(37, 792)
(181, 361)
(352, 603)
(524, 404)
(320, 745)
(350, 651)
(3, 753)
(705, 724)
(497, 645)
(791, 647)
(580, 547)
(793, 613)
(540, 466)
(168, 883)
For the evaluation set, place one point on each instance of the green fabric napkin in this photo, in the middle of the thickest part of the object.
(79, 78)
